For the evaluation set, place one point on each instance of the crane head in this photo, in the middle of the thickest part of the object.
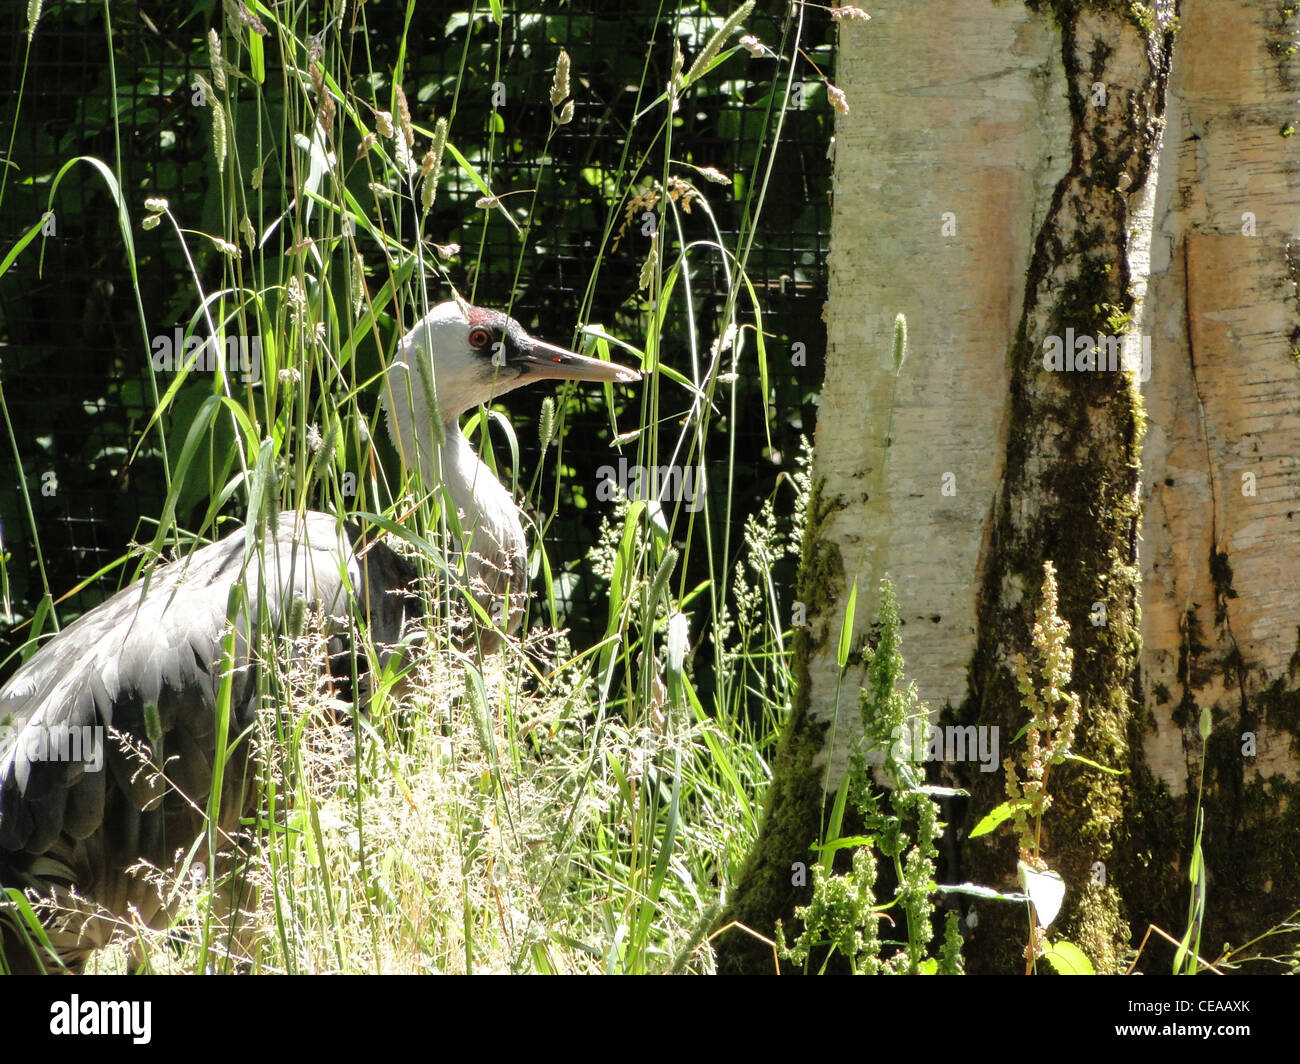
(477, 355)
(455, 358)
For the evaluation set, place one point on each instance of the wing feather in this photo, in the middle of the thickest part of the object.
(86, 822)
(156, 643)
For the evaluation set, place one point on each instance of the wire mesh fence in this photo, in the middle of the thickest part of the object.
(74, 358)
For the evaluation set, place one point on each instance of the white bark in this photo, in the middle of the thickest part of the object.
(956, 106)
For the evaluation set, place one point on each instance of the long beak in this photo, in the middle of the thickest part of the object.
(547, 362)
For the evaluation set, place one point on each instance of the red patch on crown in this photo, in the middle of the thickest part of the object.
(483, 316)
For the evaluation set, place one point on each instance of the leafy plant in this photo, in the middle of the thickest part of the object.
(844, 915)
(1049, 738)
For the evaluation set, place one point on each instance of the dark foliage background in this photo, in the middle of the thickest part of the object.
(72, 357)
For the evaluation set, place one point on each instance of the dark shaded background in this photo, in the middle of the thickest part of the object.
(72, 357)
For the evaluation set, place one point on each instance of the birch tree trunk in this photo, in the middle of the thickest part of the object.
(1070, 487)
(944, 171)
(1220, 554)
(1002, 181)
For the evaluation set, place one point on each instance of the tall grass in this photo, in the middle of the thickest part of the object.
(558, 807)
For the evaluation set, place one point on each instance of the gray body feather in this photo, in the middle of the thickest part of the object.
(69, 824)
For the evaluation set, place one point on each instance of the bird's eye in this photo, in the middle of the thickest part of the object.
(479, 338)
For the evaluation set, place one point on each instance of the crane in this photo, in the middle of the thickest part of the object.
(145, 674)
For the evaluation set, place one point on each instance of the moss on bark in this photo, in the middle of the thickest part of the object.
(1070, 494)
(765, 891)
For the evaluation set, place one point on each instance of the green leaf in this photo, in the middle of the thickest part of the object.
(762, 356)
(1183, 951)
(28, 926)
(1068, 959)
(845, 843)
(479, 183)
(1093, 764)
(846, 633)
(977, 891)
(44, 611)
(997, 815)
(256, 58)
(17, 249)
(837, 821)
(650, 904)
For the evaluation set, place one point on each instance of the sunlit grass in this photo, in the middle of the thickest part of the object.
(556, 808)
